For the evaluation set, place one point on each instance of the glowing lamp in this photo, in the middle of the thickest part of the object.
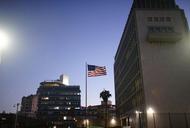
(150, 111)
(4, 40)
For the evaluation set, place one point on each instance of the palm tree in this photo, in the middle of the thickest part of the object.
(105, 95)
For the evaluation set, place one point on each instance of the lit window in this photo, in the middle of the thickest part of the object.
(56, 108)
(45, 98)
(3, 118)
(64, 118)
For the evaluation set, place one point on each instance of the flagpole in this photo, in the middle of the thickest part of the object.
(86, 87)
(86, 94)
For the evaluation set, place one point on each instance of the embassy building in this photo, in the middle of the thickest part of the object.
(152, 67)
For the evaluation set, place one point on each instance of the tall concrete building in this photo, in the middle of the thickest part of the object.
(152, 66)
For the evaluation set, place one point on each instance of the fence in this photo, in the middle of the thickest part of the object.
(160, 120)
(169, 120)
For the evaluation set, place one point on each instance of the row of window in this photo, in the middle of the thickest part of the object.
(62, 98)
(126, 70)
(59, 93)
(129, 36)
(160, 29)
(61, 108)
(159, 19)
(135, 100)
(60, 103)
(130, 44)
(58, 108)
(128, 89)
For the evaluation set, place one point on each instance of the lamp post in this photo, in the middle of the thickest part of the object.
(151, 112)
(113, 122)
(17, 105)
(138, 113)
(4, 41)
(86, 122)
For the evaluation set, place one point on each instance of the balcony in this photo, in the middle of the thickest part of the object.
(160, 37)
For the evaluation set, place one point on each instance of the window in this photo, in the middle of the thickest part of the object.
(168, 19)
(149, 19)
(56, 108)
(45, 98)
(161, 19)
(160, 29)
(170, 29)
(156, 19)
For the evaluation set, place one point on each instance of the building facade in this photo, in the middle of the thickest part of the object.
(29, 105)
(58, 103)
(94, 116)
(97, 115)
(151, 66)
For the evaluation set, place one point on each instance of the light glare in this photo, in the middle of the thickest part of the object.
(4, 40)
(86, 122)
(150, 111)
(64, 118)
(138, 112)
(113, 121)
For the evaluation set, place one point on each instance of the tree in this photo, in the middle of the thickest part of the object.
(105, 95)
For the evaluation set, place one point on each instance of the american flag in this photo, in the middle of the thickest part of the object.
(96, 70)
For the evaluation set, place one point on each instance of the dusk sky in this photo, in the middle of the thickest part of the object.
(54, 37)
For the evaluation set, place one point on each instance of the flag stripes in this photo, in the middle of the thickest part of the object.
(94, 71)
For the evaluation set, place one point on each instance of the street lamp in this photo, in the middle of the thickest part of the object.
(113, 121)
(86, 122)
(150, 111)
(17, 105)
(4, 42)
(138, 114)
